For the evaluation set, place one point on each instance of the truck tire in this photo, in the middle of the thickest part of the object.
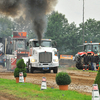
(27, 70)
(55, 70)
(27, 67)
(32, 69)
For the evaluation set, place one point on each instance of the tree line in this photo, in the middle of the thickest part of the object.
(67, 35)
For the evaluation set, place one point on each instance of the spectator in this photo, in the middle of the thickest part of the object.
(92, 67)
(97, 60)
(94, 61)
(86, 61)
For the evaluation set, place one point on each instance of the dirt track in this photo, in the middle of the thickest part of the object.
(81, 81)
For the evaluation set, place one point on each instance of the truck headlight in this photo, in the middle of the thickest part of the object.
(33, 60)
(55, 60)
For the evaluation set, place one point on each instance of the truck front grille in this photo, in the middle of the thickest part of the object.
(45, 57)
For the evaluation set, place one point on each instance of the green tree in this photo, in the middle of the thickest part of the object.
(64, 33)
(56, 29)
(67, 36)
(91, 30)
(72, 39)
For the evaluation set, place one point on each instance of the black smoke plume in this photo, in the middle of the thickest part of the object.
(32, 10)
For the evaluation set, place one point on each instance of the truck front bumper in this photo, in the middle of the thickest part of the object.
(45, 65)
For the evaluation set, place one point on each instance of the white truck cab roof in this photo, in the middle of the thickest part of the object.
(41, 40)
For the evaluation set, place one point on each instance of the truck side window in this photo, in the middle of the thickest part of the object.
(35, 44)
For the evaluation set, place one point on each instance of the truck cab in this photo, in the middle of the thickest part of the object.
(42, 57)
(94, 47)
(19, 44)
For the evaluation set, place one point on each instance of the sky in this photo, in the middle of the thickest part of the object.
(73, 10)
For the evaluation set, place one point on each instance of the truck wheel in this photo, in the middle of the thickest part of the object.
(32, 69)
(55, 69)
(27, 70)
(27, 67)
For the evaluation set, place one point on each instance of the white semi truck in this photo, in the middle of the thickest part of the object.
(43, 57)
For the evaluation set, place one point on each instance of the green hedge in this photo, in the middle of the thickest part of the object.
(62, 78)
(20, 68)
(97, 80)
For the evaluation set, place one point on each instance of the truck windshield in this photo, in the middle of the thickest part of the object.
(20, 44)
(43, 44)
(95, 48)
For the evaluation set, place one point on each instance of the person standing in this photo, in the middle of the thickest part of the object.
(86, 61)
(94, 61)
(91, 60)
(97, 61)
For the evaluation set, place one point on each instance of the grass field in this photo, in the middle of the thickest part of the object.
(33, 92)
